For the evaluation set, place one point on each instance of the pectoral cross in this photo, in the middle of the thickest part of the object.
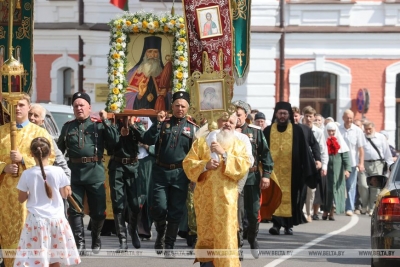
(240, 55)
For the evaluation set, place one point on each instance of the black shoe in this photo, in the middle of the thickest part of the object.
(274, 230)
(331, 218)
(241, 254)
(252, 232)
(170, 237)
(97, 225)
(288, 231)
(324, 217)
(121, 232)
(315, 217)
(159, 244)
(76, 224)
(133, 221)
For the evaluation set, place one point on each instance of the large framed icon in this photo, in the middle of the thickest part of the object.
(147, 62)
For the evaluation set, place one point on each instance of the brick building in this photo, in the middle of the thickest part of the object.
(333, 48)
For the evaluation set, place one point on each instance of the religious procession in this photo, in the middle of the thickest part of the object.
(174, 151)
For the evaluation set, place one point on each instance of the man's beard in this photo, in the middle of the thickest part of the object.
(225, 138)
(372, 135)
(283, 123)
(150, 67)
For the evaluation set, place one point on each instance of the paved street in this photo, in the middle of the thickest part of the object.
(343, 234)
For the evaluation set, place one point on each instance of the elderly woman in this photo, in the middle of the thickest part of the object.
(339, 167)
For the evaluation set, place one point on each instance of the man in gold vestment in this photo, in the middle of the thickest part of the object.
(216, 163)
(12, 213)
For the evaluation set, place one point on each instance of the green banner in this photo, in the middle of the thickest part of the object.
(22, 41)
(241, 25)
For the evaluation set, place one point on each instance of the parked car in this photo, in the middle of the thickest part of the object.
(385, 220)
(51, 125)
(60, 113)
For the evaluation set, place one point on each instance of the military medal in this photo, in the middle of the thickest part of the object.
(168, 125)
(250, 135)
(124, 131)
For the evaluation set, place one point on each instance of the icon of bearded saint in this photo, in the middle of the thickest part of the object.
(149, 81)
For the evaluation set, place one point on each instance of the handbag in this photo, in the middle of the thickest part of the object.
(385, 165)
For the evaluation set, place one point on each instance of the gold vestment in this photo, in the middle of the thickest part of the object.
(215, 200)
(281, 147)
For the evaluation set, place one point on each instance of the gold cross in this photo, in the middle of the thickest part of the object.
(281, 147)
(240, 55)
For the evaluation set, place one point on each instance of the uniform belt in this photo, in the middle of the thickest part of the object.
(124, 160)
(84, 159)
(253, 169)
(170, 166)
(372, 160)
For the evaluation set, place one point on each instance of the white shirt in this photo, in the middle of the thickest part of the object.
(320, 137)
(38, 203)
(354, 138)
(381, 143)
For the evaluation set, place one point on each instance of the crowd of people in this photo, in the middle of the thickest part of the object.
(178, 176)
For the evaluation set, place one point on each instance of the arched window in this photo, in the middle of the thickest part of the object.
(68, 85)
(318, 89)
(398, 110)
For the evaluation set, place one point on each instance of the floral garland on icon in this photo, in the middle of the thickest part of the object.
(143, 22)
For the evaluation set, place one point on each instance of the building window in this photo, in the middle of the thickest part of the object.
(318, 89)
(397, 110)
(68, 86)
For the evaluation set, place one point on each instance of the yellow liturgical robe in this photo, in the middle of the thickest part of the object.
(12, 213)
(215, 200)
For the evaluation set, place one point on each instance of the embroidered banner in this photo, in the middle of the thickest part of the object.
(210, 34)
(241, 24)
(22, 36)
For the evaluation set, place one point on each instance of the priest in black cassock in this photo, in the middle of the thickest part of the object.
(293, 165)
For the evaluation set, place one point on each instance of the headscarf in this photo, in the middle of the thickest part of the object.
(338, 135)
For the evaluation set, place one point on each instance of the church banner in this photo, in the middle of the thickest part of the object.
(210, 34)
(241, 24)
(22, 36)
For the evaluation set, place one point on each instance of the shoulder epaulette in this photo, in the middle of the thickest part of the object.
(69, 121)
(191, 122)
(254, 126)
(95, 120)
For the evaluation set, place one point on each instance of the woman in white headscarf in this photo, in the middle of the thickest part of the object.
(339, 168)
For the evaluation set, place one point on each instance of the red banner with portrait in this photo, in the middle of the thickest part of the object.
(210, 34)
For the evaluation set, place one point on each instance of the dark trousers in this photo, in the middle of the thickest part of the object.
(96, 197)
(252, 195)
(169, 194)
(240, 219)
(124, 188)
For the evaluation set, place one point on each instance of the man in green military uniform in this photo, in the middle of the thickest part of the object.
(173, 139)
(84, 139)
(256, 181)
(123, 179)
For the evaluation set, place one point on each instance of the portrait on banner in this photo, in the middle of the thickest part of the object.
(209, 22)
(149, 72)
(211, 95)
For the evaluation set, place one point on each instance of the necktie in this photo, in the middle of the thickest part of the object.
(19, 126)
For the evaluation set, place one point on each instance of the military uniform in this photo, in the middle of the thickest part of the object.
(84, 143)
(173, 139)
(252, 192)
(124, 181)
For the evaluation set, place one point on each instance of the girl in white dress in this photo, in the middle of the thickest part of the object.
(46, 239)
